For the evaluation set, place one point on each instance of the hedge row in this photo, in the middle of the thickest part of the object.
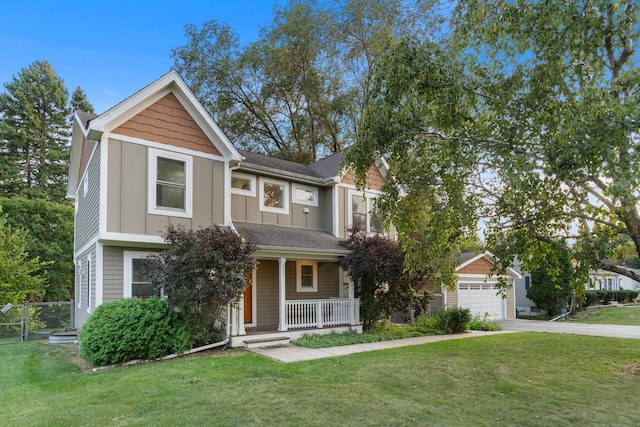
(599, 297)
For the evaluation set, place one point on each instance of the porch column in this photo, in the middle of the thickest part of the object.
(352, 303)
(233, 318)
(282, 326)
(241, 330)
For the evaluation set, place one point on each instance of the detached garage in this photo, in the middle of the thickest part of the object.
(477, 288)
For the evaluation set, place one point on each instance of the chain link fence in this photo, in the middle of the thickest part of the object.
(34, 320)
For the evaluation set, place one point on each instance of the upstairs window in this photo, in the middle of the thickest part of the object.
(364, 214)
(305, 195)
(170, 183)
(243, 184)
(274, 196)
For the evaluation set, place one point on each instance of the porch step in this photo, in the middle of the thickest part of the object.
(266, 342)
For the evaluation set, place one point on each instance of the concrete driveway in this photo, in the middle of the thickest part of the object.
(615, 331)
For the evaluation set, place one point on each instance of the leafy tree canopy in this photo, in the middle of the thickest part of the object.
(376, 266)
(201, 272)
(34, 134)
(298, 91)
(49, 237)
(552, 282)
(19, 278)
(527, 120)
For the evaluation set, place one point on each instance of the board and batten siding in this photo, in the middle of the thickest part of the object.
(267, 278)
(247, 209)
(127, 210)
(267, 293)
(87, 217)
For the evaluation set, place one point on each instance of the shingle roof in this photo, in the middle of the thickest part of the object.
(273, 163)
(329, 166)
(465, 256)
(288, 237)
(85, 118)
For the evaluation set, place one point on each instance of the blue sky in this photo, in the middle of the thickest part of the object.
(111, 49)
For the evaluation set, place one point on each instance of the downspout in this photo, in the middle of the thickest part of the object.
(571, 307)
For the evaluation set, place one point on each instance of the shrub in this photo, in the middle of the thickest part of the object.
(623, 296)
(452, 320)
(130, 329)
(606, 297)
(633, 294)
(482, 323)
(591, 298)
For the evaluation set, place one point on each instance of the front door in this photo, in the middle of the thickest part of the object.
(248, 301)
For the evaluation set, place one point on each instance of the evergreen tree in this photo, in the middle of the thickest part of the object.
(34, 134)
(79, 102)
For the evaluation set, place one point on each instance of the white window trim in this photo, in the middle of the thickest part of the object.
(78, 291)
(299, 287)
(314, 190)
(370, 200)
(284, 210)
(89, 284)
(127, 269)
(85, 185)
(187, 212)
(252, 179)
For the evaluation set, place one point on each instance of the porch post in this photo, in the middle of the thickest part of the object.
(241, 330)
(282, 326)
(233, 311)
(352, 302)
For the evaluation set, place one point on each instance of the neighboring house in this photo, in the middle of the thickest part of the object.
(603, 280)
(158, 158)
(477, 288)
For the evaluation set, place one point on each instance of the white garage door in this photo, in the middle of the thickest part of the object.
(481, 298)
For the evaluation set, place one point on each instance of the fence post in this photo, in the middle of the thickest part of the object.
(72, 313)
(25, 307)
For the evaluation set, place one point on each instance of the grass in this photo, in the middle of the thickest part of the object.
(615, 316)
(530, 379)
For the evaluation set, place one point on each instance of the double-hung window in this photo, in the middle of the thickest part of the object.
(170, 183)
(306, 276)
(136, 284)
(274, 196)
(364, 214)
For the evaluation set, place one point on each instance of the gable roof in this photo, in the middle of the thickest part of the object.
(466, 258)
(92, 128)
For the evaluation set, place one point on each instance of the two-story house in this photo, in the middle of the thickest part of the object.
(158, 158)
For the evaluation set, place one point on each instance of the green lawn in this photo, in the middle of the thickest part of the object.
(616, 316)
(511, 379)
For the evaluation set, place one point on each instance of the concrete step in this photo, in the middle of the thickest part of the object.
(266, 342)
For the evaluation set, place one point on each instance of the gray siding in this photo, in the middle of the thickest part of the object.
(127, 192)
(81, 309)
(268, 288)
(247, 209)
(267, 294)
(113, 273)
(88, 205)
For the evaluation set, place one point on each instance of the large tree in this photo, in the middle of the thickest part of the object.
(19, 278)
(34, 134)
(48, 237)
(298, 91)
(80, 102)
(527, 120)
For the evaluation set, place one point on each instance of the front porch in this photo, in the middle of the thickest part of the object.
(314, 316)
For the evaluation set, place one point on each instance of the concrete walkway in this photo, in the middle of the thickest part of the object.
(615, 331)
(293, 353)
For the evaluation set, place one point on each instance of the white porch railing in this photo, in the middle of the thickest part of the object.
(318, 313)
